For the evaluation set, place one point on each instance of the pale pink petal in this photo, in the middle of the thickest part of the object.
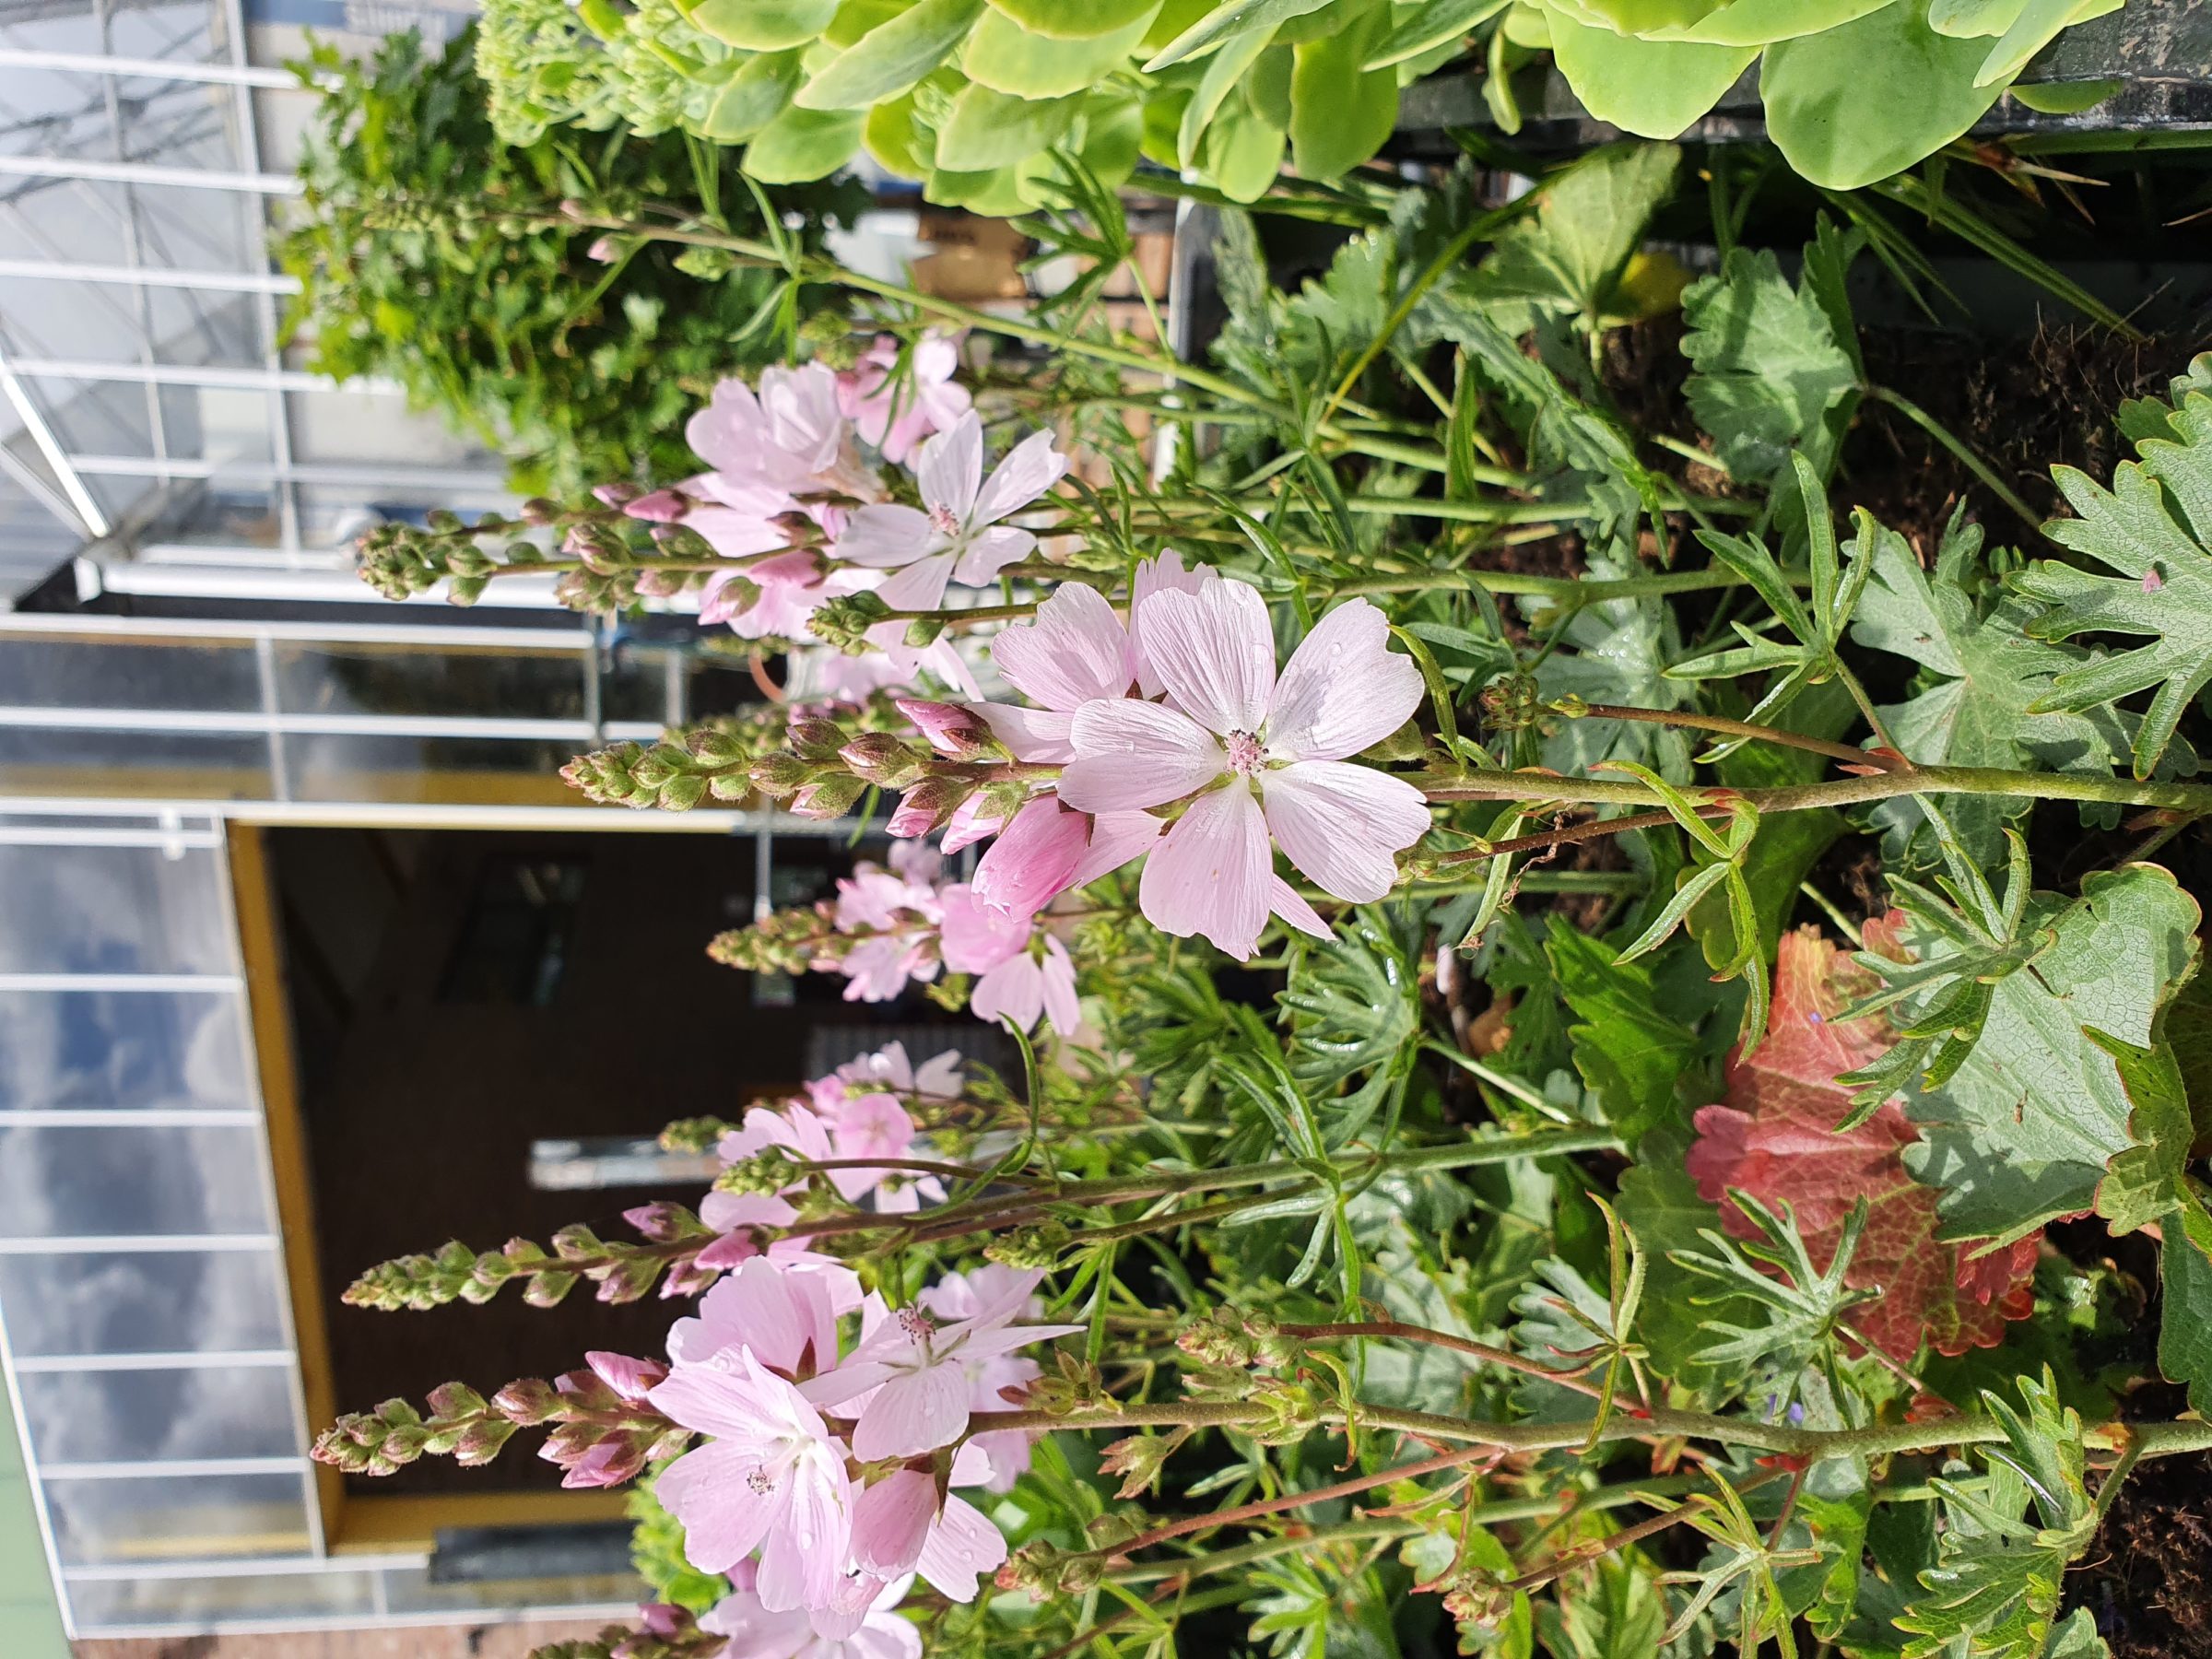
(913, 1413)
(919, 587)
(1343, 689)
(1130, 755)
(803, 1557)
(1115, 839)
(938, 1077)
(728, 434)
(1030, 468)
(1214, 652)
(723, 1518)
(1075, 650)
(1162, 575)
(949, 468)
(886, 1636)
(1057, 984)
(1288, 904)
(960, 1548)
(970, 823)
(990, 551)
(976, 936)
(1033, 859)
(753, 1307)
(754, 1632)
(711, 1399)
(1029, 734)
(1014, 992)
(1208, 875)
(883, 535)
(840, 1619)
(890, 1520)
(738, 536)
(1341, 824)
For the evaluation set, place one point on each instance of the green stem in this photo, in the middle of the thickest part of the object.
(2145, 1440)
(1542, 790)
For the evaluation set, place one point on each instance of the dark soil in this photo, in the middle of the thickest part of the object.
(2148, 1579)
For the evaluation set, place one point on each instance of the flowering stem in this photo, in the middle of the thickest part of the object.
(1540, 788)
(990, 1212)
(2150, 1440)
(1727, 727)
(1391, 1330)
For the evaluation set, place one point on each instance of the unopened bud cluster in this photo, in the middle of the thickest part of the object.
(622, 1272)
(663, 1632)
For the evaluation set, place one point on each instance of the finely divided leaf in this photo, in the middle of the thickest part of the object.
(2154, 527)
(1768, 368)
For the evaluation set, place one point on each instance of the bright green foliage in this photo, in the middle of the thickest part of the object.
(1985, 688)
(432, 252)
(972, 97)
(1631, 1052)
(1770, 374)
(2021, 1126)
(1352, 1006)
(1854, 90)
(1996, 1578)
(2154, 527)
(1568, 255)
(2185, 1276)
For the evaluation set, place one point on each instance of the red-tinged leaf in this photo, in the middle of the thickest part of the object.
(1773, 1138)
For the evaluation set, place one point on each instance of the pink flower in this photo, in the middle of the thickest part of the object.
(936, 1078)
(1033, 983)
(875, 1125)
(785, 1315)
(789, 436)
(873, 1632)
(918, 1373)
(901, 1524)
(1004, 1451)
(1233, 727)
(1076, 652)
(740, 1217)
(772, 1479)
(895, 416)
(1162, 575)
(956, 531)
(1020, 978)
(971, 822)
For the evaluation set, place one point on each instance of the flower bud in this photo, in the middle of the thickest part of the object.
(829, 798)
(813, 738)
(882, 759)
(778, 776)
(928, 805)
(950, 728)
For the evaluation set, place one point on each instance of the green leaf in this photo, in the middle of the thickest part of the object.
(1654, 88)
(1768, 374)
(755, 95)
(1857, 103)
(1660, 1205)
(2023, 1130)
(2185, 1322)
(1001, 54)
(2145, 1182)
(1762, 22)
(800, 145)
(1233, 19)
(1997, 1577)
(1243, 151)
(1340, 111)
(988, 129)
(2154, 528)
(1985, 681)
(1424, 28)
(763, 25)
(1064, 21)
(1634, 1055)
(1353, 1006)
(892, 57)
(1567, 254)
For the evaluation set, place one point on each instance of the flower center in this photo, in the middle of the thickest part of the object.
(915, 1324)
(761, 1480)
(1246, 754)
(942, 521)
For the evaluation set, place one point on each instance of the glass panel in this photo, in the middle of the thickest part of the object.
(114, 674)
(485, 684)
(75, 1182)
(433, 769)
(113, 909)
(125, 1416)
(277, 1597)
(188, 1301)
(88, 1050)
(411, 1591)
(102, 1522)
(172, 765)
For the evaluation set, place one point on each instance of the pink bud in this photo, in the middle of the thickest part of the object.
(615, 495)
(603, 250)
(951, 729)
(662, 507)
(2152, 581)
(632, 1378)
